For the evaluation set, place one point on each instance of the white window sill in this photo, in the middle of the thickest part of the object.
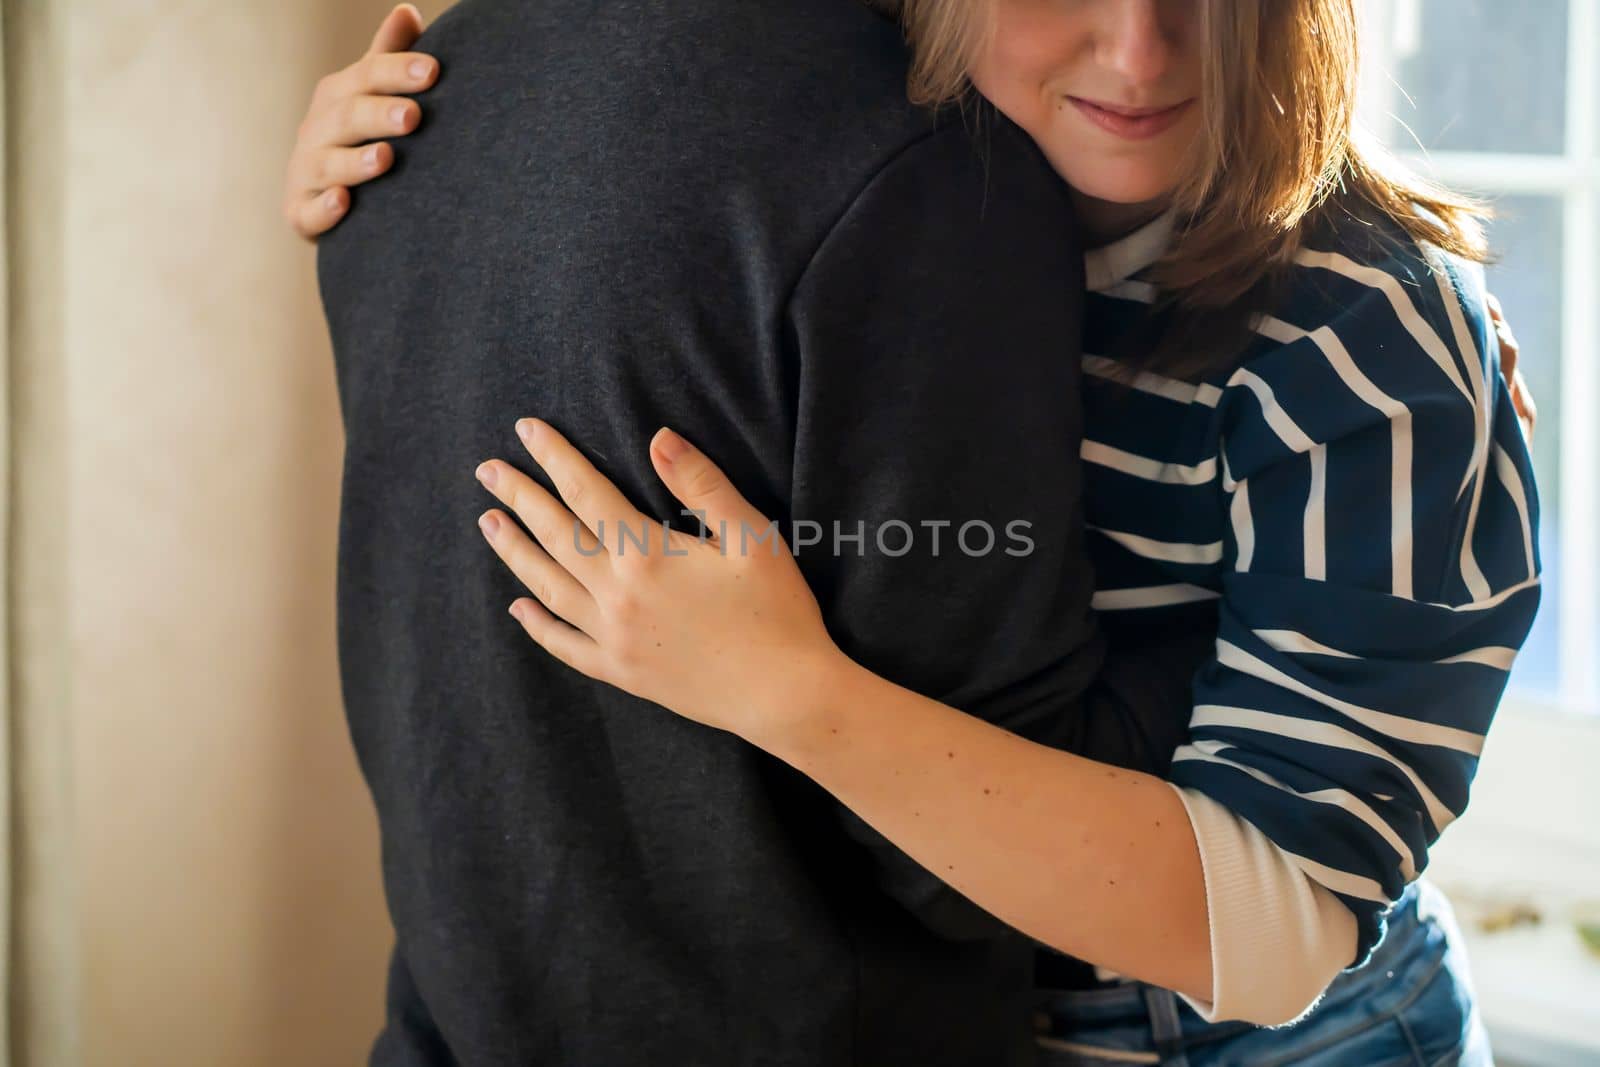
(1538, 989)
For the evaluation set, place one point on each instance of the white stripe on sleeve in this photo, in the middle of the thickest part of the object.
(1506, 471)
(1320, 733)
(1150, 470)
(1398, 727)
(1166, 551)
(1151, 596)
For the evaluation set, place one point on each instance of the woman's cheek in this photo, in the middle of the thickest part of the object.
(1035, 111)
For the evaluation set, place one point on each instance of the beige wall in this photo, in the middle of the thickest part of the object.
(176, 518)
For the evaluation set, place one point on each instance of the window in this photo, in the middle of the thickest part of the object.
(1503, 100)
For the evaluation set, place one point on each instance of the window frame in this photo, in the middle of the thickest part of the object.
(1574, 179)
(1532, 832)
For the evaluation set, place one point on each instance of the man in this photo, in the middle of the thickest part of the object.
(720, 215)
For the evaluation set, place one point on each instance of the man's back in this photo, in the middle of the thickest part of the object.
(718, 215)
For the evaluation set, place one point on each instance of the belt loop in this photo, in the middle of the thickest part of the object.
(1166, 1029)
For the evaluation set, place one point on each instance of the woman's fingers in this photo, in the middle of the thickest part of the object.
(388, 66)
(328, 168)
(312, 216)
(701, 485)
(1510, 355)
(550, 583)
(1527, 410)
(319, 183)
(591, 495)
(571, 646)
(402, 72)
(1510, 350)
(558, 531)
(350, 108)
(355, 120)
(398, 31)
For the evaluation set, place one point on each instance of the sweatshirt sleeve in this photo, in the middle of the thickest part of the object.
(935, 344)
(1380, 572)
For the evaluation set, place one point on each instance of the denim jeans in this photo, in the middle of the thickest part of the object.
(1411, 1005)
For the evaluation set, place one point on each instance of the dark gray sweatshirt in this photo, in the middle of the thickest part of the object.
(719, 215)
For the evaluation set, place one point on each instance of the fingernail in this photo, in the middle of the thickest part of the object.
(332, 200)
(370, 157)
(486, 474)
(525, 430)
(397, 114)
(672, 446)
(418, 69)
(489, 522)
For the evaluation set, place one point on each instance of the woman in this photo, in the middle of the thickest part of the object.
(1294, 423)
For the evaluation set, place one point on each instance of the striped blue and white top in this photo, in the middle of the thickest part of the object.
(1354, 499)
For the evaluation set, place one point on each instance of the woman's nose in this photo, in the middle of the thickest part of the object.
(1133, 42)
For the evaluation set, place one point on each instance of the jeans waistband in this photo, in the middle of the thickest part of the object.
(1410, 944)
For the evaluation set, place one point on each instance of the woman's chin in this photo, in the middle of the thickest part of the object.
(1121, 187)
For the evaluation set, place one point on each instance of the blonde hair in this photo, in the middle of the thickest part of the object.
(1278, 105)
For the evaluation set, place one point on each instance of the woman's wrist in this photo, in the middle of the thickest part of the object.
(799, 698)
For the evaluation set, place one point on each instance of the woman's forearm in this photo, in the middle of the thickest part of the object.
(1098, 862)
(1095, 861)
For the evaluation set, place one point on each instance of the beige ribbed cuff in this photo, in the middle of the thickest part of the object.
(1277, 937)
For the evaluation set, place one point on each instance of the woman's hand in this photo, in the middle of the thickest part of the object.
(734, 639)
(720, 630)
(1521, 396)
(348, 109)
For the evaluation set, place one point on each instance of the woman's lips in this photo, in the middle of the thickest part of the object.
(1132, 123)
